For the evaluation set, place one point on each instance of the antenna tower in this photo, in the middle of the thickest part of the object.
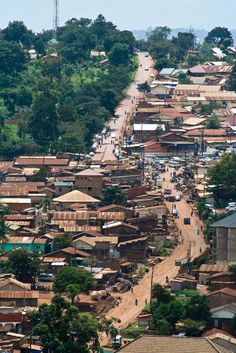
(55, 15)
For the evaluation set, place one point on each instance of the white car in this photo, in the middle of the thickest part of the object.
(147, 68)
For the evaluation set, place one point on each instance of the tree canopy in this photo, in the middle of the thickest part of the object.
(223, 175)
(71, 275)
(63, 329)
(23, 265)
(114, 195)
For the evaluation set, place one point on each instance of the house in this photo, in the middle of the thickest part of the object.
(74, 196)
(170, 344)
(62, 187)
(68, 256)
(224, 244)
(221, 297)
(90, 182)
(207, 270)
(177, 144)
(222, 316)
(117, 208)
(121, 229)
(222, 280)
(134, 250)
(16, 204)
(102, 247)
(221, 338)
(25, 220)
(40, 161)
(13, 291)
(31, 244)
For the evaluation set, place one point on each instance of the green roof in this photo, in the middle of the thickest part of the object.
(227, 222)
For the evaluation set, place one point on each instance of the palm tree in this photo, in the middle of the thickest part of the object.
(4, 229)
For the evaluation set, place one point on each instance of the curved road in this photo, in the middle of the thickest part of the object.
(125, 110)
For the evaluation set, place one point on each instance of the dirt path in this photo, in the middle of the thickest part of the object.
(125, 111)
(127, 311)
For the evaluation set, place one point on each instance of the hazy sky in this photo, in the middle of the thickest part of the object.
(126, 14)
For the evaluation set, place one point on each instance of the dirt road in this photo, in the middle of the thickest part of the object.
(127, 311)
(125, 110)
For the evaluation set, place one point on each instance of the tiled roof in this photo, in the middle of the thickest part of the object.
(170, 344)
(10, 281)
(41, 160)
(206, 132)
(76, 196)
(89, 172)
(228, 291)
(213, 268)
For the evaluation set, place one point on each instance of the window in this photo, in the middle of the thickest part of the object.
(89, 188)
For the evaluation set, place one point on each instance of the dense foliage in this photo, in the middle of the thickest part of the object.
(223, 176)
(24, 265)
(59, 96)
(70, 275)
(171, 315)
(63, 329)
(184, 50)
(115, 195)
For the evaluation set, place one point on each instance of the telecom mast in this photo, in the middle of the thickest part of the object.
(55, 16)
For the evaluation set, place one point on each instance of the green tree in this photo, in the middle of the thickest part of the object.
(40, 176)
(72, 291)
(4, 230)
(161, 294)
(163, 328)
(43, 124)
(119, 54)
(232, 79)
(62, 241)
(198, 309)
(218, 34)
(213, 122)
(3, 113)
(70, 275)
(13, 61)
(63, 329)
(16, 31)
(171, 313)
(114, 195)
(191, 328)
(223, 174)
(24, 266)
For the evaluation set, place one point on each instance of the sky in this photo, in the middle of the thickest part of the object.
(126, 14)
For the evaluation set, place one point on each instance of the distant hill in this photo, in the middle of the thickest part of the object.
(199, 33)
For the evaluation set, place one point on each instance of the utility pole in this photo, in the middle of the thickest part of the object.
(153, 266)
(55, 16)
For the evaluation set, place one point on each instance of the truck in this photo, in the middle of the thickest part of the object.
(180, 262)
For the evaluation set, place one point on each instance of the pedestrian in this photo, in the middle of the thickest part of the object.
(192, 213)
(132, 289)
(136, 301)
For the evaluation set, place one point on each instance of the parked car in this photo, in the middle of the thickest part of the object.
(46, 277)
(177, 197)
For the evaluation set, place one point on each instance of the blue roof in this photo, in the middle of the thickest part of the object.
(227, 222)
(63, 183)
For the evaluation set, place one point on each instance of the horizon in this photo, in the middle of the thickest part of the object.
(143, 16)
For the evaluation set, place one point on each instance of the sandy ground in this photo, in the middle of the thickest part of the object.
(127, 311)
(125, 110)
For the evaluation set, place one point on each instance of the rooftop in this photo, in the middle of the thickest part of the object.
(89, 172)
(170, 344)
(227, 222)
(76, 196)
